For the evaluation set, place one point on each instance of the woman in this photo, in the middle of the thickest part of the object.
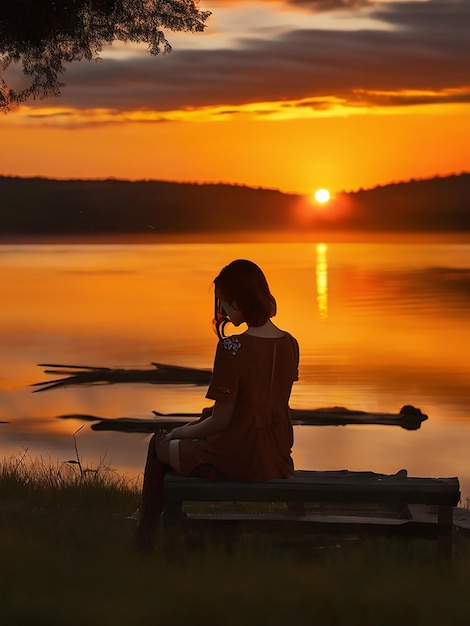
(247, 435)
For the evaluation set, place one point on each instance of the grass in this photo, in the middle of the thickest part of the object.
(67, 558)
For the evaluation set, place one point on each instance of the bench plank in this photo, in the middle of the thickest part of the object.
(331, 524)
(315, 487)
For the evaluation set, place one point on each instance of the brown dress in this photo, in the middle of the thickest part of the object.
(256, 373)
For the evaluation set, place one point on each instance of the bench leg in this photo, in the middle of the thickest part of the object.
(445, 521)
(174, 529)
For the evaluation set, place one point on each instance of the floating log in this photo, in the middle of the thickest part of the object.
(409, 418)
(162, 374)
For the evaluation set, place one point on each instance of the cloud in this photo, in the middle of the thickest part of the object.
(414, 97)
(423, 57)
(314, 5)
(331, 5)
(442, 17)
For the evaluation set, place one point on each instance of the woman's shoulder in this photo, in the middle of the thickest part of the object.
(235, 342)
(292, 338)
(282, 335)
(231, 344)
(242, 343)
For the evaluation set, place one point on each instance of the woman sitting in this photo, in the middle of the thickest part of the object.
(247, 435)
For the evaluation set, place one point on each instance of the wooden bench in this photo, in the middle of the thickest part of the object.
(320, 490)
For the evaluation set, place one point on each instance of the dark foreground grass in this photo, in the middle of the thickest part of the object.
(67, 558)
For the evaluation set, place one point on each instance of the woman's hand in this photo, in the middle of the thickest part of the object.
(173, 434)
(214, 420)
(164, 435)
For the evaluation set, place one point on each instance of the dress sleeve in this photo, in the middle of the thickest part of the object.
(226, 372)
(295, 347)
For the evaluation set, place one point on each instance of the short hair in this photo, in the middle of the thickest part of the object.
(243, 282)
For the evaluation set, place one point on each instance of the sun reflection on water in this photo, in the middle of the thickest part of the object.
(322, 280)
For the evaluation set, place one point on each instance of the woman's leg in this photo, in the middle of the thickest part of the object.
(180, 455)
(152, 496)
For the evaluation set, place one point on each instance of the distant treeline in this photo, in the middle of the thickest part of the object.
(432, 205)
(43, 206)
(39, 206)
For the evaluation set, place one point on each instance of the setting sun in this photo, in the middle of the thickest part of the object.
(322, 195)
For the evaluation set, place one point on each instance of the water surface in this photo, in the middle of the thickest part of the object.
(379, 326)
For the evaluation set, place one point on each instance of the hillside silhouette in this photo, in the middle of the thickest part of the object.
(432, 205)
(40, 206)
(44, 206)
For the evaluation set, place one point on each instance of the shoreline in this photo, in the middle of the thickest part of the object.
(237, 237)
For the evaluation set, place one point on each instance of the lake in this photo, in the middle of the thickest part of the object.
(380, 325)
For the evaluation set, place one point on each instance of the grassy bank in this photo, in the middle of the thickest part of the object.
(68, 558)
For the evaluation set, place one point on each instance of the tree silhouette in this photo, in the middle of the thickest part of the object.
(45, 35)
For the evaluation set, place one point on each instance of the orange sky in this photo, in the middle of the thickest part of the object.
(290, 95)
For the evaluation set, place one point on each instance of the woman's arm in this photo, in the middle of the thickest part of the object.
(217, 422)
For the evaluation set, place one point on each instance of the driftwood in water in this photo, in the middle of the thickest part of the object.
(162, 374)
(409, 418)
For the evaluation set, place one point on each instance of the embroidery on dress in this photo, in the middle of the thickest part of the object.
(232, 345)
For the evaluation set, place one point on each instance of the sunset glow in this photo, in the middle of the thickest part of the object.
(269, 95)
